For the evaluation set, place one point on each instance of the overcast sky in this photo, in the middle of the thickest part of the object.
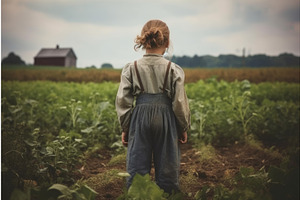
(103, 31)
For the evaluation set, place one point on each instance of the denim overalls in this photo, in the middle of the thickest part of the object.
(153, 132)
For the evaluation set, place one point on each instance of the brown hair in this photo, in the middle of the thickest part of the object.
(154, 34)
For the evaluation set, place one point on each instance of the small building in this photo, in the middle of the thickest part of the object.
(64, 57)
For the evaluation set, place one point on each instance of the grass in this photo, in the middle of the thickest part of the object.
(187, 180)
(103, 179)
(272, 151)
(108, 181)
(118, 159)
(206, 153)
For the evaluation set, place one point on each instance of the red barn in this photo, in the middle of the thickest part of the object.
(64, 57)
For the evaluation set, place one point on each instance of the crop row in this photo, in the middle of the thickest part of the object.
(51, 126)
(226, 112)
(219, 109)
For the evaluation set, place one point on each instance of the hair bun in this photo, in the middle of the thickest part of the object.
(155, 34)
(153, 38)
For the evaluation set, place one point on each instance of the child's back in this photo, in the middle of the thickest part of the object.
(161, 114)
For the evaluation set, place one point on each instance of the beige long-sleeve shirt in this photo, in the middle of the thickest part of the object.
(152, 69)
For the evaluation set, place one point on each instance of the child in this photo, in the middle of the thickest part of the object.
(161, 115)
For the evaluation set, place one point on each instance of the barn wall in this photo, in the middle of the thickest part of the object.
(50, 61)
(70, 62)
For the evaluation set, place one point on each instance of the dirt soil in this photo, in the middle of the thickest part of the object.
(194, 174)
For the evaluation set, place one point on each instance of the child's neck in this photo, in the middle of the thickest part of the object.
(160, 50)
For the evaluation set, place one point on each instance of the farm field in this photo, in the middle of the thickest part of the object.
(243, 142)
(254, 75)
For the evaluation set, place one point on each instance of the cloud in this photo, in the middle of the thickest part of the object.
(105, 12)
(93, 43)
(224, 26)
(103, 30)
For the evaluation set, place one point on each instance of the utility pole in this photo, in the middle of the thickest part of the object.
(244, 53)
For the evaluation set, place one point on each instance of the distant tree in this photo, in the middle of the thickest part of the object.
(289, 60)
(259, 60)
(198, 61)
(107, 66)
(229, 61)
(12, 59)
(210, 61)
(91, 67)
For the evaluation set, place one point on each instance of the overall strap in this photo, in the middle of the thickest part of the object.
(166, 76)
(171, 82)
(138, 76)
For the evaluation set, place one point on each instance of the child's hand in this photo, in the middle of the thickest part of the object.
(125, 139)
(183, 138)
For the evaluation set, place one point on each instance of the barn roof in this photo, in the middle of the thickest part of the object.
(54, 52)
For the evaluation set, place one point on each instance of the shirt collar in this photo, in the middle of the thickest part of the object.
(153, 54)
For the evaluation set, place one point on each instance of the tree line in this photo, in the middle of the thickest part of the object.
(259, 60)
(207, 61)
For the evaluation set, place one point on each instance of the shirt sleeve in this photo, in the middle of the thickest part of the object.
(180, 102)
(124, 98)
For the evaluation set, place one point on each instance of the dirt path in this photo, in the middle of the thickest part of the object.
(199, 167)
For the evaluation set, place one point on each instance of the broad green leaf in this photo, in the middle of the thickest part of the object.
(88, 192)
(61, 188)
(143, 188)
(123, 174)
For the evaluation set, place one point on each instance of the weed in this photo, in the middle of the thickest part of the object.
(118, 159)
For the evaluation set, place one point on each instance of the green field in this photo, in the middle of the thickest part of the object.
(51, 128)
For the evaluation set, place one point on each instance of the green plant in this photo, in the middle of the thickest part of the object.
(143, 188)
(241, 106)
(63, 153)
(74, 109)
(56, 157)
(248, 184)
(104, 125)
(56, 191)
(37, 133)
(83, 192)
(199, 118)
(203, 193)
